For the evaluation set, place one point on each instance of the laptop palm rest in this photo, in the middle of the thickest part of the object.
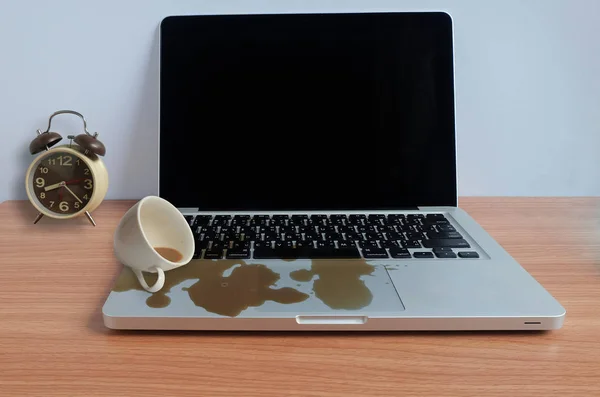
(332, 291)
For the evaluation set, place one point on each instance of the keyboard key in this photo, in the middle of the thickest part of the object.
(368, 244)
(375, 216)
(449, 242)
(338, 219)
(374, 253)
(346, 244)
(374, 236)
(353, 236)
(240, 244)
(346, 229)
(376, 219)
(446, 228)
(201, 244)
(227, 229)
(411, 222)
(278, 220)
(412, 244)
(435, 221)
(434, 235)
(306, 229)
(263, 244)
(366, 229)
(270, 236)
(271, 253)
(414, 236)
(399, 253)
(325, 244)
(415, 216)
(423, 254)
(405, 228)
(267, 229)
(395, 219)
(339, 253)
(198, 249)
(311, 236)
(333, 236)
(293, 237)
(442, 249)
(426, 228)
(220, 220)
(434, 216)
(231, 236)
(259, 220)
(189, 219)
(386, 229)
(390, 244)
(395, 236)
(287, 229)
(445, 254)
(468, 254)
(327, 229)
(249, 235)
(213, 253)
(240, 253)
(211, 236)
(201, 220)
(356, 219)
(284, 244)
(305, 244)
(306, 253)
(318, 219)
(240, 220)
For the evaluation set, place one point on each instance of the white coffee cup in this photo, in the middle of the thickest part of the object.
(152, 222)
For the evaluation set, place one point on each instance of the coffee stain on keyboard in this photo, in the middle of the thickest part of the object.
(248, 285)
(339, 284)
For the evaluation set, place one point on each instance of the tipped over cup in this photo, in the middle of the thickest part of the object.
(153, 237)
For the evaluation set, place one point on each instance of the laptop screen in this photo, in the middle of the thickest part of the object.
(307, 112)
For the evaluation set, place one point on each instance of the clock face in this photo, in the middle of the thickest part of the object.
(62, 183)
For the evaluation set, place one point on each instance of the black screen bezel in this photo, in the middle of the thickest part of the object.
(448, 198)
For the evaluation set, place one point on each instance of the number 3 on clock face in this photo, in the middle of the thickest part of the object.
(61, 182)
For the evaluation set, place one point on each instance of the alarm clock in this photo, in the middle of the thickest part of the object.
(66, 181)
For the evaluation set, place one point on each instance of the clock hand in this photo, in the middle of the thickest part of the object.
(74, 195)
(55, 186)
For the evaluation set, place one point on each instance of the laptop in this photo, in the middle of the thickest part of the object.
(314, 157)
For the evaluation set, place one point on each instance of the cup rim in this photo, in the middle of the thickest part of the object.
(138, 217)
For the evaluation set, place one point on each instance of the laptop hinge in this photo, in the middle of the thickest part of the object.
(188, 209)
(197, 209)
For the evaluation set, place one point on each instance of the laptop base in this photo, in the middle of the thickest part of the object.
(301, 295)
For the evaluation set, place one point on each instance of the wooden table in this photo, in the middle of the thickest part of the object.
(55, 276)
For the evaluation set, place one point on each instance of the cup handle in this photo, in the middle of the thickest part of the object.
(160, 282)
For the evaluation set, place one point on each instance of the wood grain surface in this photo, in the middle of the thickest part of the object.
(55, 276)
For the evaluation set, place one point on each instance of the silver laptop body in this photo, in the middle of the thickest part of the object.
(272, 254)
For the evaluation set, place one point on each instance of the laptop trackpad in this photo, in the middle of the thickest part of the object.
(338, 286)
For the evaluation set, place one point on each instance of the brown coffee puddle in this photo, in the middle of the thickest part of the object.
(339, 285)
(246, 286)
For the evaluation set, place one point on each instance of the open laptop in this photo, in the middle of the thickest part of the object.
(314, 157)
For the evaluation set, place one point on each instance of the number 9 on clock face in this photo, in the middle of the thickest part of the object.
(61, 182)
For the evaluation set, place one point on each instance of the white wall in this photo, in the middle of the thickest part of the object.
(527, 77)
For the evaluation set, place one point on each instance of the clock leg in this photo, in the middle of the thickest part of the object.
(37, 219)
(89, 216)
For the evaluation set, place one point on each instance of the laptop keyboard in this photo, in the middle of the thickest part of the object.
(374, 236)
